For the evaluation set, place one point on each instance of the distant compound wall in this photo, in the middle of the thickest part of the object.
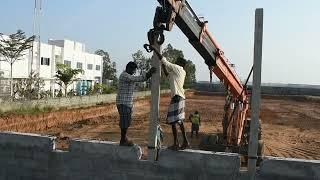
(31, 156)
(75, 101)
(267, 90)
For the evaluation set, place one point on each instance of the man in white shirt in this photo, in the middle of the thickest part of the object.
(176, 111)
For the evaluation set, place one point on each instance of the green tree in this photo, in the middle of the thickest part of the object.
(13, 49)
(142, 62)
(66, 75)
(171, 55)
(190, 74)
(109, 68)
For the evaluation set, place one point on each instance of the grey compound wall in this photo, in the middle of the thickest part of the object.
(75, 101)
(31, 156)
(267, 90)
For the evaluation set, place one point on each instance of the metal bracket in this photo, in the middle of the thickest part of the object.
(158, 142)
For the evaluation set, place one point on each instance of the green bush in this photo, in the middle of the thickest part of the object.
(71, 93)
(60, 94)
(108, 89)
(89, 91)
(28, 110)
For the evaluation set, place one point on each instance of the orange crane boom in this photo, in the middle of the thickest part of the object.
(180, 13)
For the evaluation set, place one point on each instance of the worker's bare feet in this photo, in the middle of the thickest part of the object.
(185, 145)
(174, 147)
(127, 142)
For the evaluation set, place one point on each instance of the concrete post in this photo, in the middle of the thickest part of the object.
(53, 71)
(155, 100)
(256, 93)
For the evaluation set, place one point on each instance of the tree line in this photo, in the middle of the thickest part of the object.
(13, 48)
(171, 54)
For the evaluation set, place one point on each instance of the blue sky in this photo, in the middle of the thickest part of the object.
(291, 31)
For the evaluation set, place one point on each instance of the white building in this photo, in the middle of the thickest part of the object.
(57, 51)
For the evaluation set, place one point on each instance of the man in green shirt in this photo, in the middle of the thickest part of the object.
(195, 120)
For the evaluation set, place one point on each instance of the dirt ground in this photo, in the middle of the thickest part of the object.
(290, 126)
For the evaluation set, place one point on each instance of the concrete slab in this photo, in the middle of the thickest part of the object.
(289, 168)
(27, 140)
(111, 149)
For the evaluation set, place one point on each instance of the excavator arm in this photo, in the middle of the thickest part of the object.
(179, 12)
(201, 39)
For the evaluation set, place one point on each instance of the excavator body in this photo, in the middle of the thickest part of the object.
(235, 123)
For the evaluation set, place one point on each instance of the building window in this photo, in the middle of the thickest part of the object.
(45, 61)
(89, 66)
(79, 65)
(98, 67)
(68, 63)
